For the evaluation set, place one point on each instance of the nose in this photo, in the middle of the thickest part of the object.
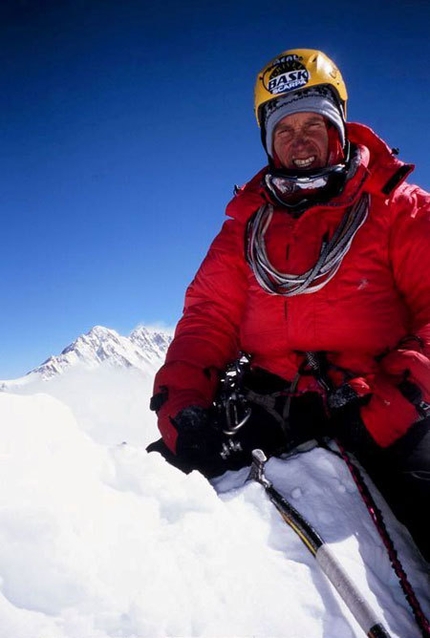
(299, 140)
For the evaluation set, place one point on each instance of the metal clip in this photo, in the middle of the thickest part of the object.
(234, 422)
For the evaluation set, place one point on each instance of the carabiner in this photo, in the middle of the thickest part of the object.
(231, 410)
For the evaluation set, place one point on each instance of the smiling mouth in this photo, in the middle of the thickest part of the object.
(304, 163)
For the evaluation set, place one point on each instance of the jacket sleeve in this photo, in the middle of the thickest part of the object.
(207, 335)
(410, 258)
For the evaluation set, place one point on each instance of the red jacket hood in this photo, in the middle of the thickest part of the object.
(379, 172)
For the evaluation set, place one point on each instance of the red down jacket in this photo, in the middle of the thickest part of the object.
(380, 293)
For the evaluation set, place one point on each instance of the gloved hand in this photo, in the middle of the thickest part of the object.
(202, 446)
(400, 395)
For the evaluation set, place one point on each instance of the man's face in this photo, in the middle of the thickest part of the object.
(301, 141)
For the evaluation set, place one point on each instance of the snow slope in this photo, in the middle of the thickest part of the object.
(99, 539)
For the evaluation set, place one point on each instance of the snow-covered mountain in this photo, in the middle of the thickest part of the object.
(106, 380)
(143, 349)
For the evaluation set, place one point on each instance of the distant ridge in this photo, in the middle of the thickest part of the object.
(144, 349)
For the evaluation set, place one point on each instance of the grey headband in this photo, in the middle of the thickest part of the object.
(319, 99)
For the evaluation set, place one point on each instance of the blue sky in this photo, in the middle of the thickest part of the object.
(125, 125)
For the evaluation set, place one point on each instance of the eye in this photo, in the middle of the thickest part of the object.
(315, 125)
(285, 133)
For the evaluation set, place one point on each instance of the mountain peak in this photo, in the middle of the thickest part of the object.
(144, 348)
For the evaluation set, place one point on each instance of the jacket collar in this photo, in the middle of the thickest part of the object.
(385, 171)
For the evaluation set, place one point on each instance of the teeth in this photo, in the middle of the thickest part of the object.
(304, 163)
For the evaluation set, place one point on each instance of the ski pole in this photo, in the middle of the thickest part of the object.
(328, 562)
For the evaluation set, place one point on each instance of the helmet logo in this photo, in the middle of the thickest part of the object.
(286, 74)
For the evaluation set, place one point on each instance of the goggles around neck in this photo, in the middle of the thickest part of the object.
(297, 189)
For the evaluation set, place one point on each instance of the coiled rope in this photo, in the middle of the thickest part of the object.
(328, 263)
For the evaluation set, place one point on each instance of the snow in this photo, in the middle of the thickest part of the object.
(99, 539)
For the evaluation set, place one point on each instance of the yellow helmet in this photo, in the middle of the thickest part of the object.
(293, 70)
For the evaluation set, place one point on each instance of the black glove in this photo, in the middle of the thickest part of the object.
(202, 443)
(203, 446)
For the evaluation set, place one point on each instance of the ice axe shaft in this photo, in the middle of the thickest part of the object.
(356, 603)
